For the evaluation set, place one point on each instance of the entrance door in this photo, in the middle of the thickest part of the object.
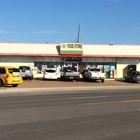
(71, 64)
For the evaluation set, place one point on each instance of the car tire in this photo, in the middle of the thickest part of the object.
(30, 78)
(64, 79)
(85, 78)
(125, 80)
(15, 85)
(77, 80)
(102, 80)
(88, 79)
(1, 83)
(61, 78)
(130, 80)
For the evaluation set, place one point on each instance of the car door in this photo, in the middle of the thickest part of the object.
(128, 75)
(3, 74)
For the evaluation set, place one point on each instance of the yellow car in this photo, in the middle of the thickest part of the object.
(10, 76)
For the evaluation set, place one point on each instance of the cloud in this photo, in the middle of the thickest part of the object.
(46, 32)
(4, 32)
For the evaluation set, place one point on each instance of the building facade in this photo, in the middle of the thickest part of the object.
(114, 60)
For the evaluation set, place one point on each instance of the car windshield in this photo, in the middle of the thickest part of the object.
(11, 70)
(66, 69)
(95, 69)
(24, 68)
(50, 71)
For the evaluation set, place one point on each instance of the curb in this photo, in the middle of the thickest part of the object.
(70, 89)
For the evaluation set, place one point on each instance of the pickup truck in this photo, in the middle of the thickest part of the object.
(69, 73)
(94, 73)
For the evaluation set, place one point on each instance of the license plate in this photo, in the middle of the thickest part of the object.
(16, 79)
(71, 77)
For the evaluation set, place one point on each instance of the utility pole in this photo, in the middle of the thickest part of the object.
(78, 40)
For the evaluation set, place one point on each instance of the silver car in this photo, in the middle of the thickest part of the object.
(26, 72)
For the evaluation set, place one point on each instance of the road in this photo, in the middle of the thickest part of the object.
(106, 114)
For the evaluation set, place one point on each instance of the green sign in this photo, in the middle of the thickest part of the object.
(71, 48)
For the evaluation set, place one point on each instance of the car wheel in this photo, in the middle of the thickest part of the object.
(102, 80)
(77, 80)
(15, 85)
(125, 80)
(85, 78)
(30, 78)
(130, 80)
(1, 83)
(88, 79)
(63, 78)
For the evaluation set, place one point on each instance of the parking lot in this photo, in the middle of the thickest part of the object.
(39, 83)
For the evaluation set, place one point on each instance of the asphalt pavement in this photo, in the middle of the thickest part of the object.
(39, 83)
(109, 113)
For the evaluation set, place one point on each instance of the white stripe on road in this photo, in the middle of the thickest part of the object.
(75, 98)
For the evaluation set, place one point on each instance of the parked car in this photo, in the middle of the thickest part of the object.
(50, 73)
(94, 73)
(26, 72)
(132, 76)
(10, 76)
(70, 73)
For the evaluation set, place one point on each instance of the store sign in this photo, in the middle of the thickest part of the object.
(71, 48)
(73, 59)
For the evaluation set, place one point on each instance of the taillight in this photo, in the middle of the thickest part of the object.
(90, 74)
(45, 73)
(7, 76)
(56, 73)
(133, 76)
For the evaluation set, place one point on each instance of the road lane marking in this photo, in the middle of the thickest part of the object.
(112, 102)
(75, 98)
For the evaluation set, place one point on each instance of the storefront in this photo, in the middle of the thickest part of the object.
(109, 58)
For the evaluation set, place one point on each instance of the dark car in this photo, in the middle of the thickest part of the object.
(132, 76)
(26, 72)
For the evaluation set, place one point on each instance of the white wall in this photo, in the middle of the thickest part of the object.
(112, 50)
(28, 49)
(89, 50)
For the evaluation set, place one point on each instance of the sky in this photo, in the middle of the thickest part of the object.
(57, 21)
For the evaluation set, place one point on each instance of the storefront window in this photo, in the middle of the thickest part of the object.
(40, 66)
(107, 71)
(107, 68)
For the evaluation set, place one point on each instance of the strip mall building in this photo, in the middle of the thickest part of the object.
(114, 60)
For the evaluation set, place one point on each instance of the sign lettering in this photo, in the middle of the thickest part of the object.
(71, 48)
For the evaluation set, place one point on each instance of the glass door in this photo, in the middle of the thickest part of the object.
(71, 64)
